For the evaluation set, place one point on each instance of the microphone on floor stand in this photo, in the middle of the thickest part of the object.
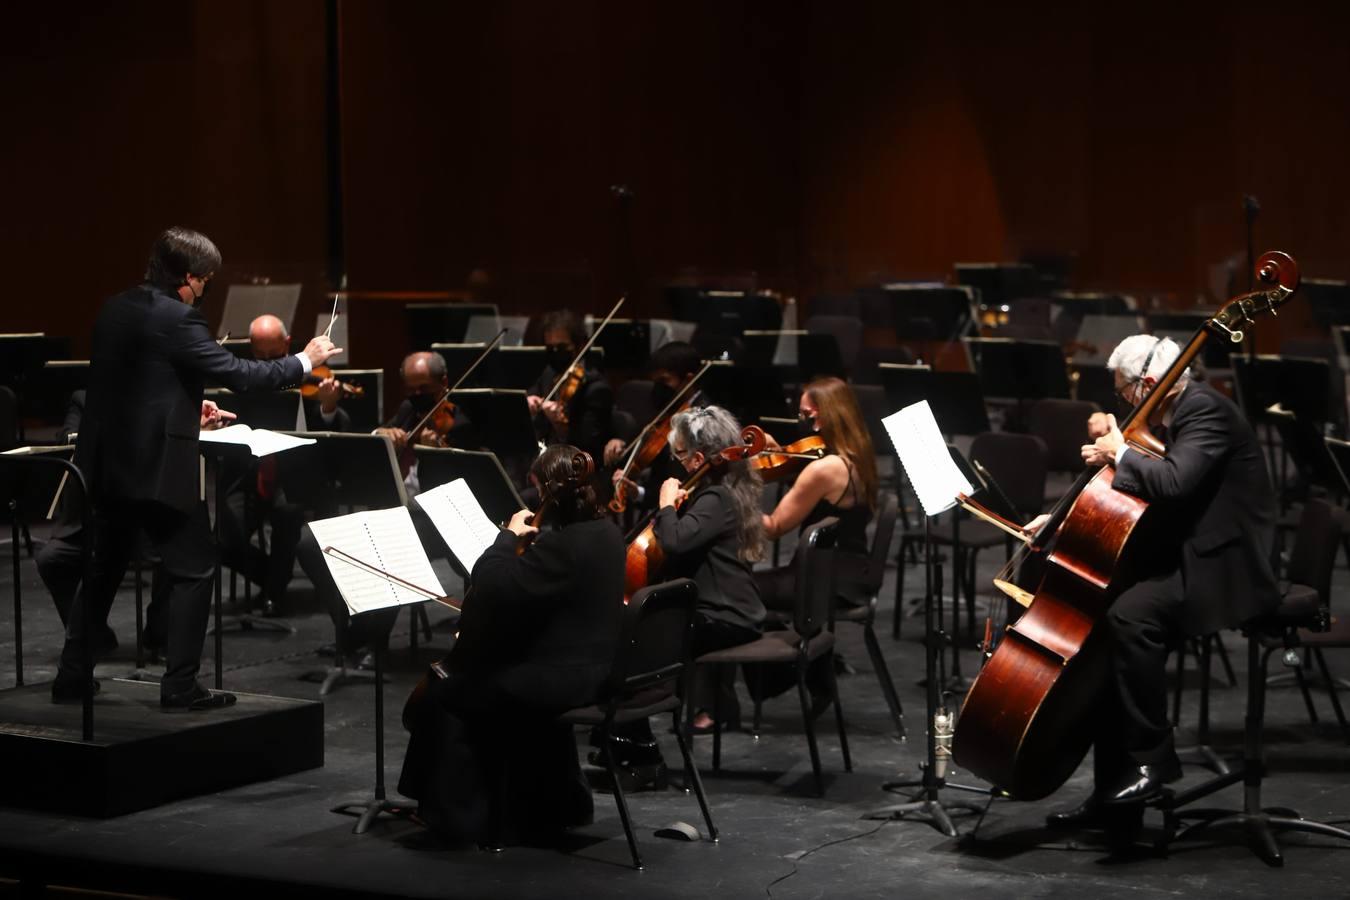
(943, 728)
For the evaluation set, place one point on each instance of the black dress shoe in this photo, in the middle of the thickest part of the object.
(196, 700)
(1088, 814)
(1143, 783)
(70, 690)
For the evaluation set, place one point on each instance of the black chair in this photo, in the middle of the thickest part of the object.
(1062, 424)
(808, 640)
(1303, 608)
(861, 576)
(653, 649)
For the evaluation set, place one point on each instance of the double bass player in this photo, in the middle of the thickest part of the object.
(1205, 567)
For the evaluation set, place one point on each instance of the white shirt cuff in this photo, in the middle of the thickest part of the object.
(1121, 452)
(304, 361)
(327, 417)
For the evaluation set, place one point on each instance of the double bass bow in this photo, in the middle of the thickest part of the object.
(650, 443)
(645, 556)
(1022, 725)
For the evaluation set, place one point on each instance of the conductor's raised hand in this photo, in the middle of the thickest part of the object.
(320, 349)
(519, 524)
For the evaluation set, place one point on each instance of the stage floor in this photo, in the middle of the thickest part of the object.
(777, 838)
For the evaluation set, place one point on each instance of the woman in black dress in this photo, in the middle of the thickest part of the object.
(537, 637)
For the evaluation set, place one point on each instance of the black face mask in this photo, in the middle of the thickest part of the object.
(422, 403)
(661, 395)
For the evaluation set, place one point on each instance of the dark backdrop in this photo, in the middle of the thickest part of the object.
(808, 146)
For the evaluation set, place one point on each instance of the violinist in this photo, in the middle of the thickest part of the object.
(1205, 567)
(538, 636)
(714, 536)
(842, 483)
(671, 367)
(586, 420)
(269, 339)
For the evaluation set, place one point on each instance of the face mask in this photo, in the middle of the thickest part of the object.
(422, 403)
(558, 359)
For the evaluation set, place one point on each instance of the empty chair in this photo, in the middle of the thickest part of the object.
(1062, 425)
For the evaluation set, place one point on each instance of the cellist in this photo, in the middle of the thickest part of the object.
(1205, 566)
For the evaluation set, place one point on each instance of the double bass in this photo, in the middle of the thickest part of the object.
(1022, 725)
(645, 556)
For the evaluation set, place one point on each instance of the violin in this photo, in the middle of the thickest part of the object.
(319, 374)
(1022, 723)
(567, 384)
(470, 640)
(651, 442)
(645, 557)
(775, 465)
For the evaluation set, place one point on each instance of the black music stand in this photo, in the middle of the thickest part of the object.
(1329, 300)
(518, 368)
(221, 457)
(458, 358)
(58, 380)
(957, 398)
(927, 312)
(430, 323)
(627, 343)
(750, 394)
(241, 347)
(1181, 326)
(926, 802)
(21, 357)
(501, 418)
(29, 481)
(481, 469)
(1000, 284)
(367, 410)
(816, 354)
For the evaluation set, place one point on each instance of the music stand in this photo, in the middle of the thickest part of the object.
(750, 394)
(59, 379)
(458, 358)
(430, 323)
(927, 312)
(481, 469)
(1182, 326)
(1020, 370)
(1329, 300)
(517, 368)
(502, 419)
(956, 397)
(240, 347)
(999, 284)
(367, 410)
(22, 356)
(626, 343)
(245, 302)
(813, 355)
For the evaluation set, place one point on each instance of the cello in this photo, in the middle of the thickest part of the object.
(645, 556)
(1021, 727)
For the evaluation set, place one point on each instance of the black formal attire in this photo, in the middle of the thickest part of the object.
(1205, 550)
(138, 448)
(590, 414)
(538, 636)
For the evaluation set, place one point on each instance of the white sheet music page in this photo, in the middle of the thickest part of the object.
(923, 452)
(460, 519)
(383, 539)
(259, 441)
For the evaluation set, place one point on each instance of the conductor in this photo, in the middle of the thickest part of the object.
(137, 447)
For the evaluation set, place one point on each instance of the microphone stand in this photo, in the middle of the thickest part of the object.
(926, 803)
(1250, 207)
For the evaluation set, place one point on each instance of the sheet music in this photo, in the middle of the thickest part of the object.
(460, 519)
(260, 441)
(923, 452)
(385, 539)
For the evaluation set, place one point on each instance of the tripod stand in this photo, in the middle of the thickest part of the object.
(380, 803)
(926, 802)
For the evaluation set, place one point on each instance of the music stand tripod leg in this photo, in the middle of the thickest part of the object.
(380, 803)
(926, 802)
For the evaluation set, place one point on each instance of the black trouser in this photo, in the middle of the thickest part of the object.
(271, 569)
(182, 542)
(61, 568)
(1142, 625)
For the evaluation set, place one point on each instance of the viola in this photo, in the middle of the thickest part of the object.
(775, 465)
(471, 640)
(651, 441)
(645, 557)
(319, 374)
(1022, 723)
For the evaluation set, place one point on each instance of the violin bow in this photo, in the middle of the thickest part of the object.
(454, 387)
(584, 350)
(674, 403)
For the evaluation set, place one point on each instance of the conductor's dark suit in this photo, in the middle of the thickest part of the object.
(1207, 536)
(138, 448)
(537, 637)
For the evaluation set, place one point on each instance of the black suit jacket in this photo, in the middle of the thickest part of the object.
(152, 355)
(544, 625)
(1210, 496)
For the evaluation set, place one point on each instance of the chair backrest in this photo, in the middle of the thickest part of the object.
(888, 509)
(872, 403)
(635, 398)
(1062, 424)
(31, 481)
(1018, 463)
(1316, 542)
(654, 638)
(815, 577)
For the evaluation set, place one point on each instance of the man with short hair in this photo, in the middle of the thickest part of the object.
(1205, 565)
(152, 355)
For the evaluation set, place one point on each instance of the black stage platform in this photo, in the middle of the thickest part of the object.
(141, 756)
(778, 839)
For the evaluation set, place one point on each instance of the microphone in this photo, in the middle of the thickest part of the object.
(942, 741)
(1250, 205)
(621, 191)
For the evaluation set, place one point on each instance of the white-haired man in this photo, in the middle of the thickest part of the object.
(1205, 566)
